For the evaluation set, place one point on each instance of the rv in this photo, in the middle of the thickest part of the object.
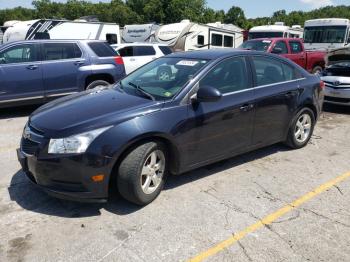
(186, 36)
(276, 30)
(139, 33)
(3, 28)
(62, 29)
(327, 34)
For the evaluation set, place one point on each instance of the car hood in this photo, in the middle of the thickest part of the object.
(89, 110)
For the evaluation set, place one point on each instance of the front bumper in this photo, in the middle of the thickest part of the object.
(337, 96)
(68, 177)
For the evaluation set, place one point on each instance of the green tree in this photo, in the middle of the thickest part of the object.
(235, 15)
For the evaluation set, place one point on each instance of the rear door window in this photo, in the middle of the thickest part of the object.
(19, 54)
(295, 47)
(102, 49)
(126, 51)
(144, 50)
(60, 51)
(165, 50)
(270, 71)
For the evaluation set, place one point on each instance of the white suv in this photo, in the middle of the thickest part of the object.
(136, 55)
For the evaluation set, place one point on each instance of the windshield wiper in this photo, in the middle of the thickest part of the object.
(142, 91)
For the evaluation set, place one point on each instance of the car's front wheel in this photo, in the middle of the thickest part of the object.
(142, 173)
(97, 83)
(301, 129)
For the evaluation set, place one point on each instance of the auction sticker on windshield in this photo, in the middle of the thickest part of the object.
(187, 63)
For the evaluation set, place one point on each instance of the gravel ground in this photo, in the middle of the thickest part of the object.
(196, 210)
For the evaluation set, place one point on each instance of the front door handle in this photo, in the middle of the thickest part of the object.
(246, 107)
(78, 63)
(32, 67)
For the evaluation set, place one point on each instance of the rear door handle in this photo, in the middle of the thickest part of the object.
(246, 107)
(78, 63)
(32, 67)
(132, 59)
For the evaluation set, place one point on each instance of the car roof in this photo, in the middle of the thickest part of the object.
(212, 54)
(50, 40)
(138, 44)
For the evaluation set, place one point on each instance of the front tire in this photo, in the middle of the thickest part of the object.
(301, 129)
(142, 173)
(97, 83)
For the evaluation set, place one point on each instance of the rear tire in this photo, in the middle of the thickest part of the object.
(301, 129)
(317, 70)
(97, 83)
(142, 173)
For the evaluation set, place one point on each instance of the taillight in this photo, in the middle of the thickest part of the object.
(322, 84)
(119, 60)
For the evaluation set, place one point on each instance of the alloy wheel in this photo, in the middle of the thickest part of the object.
(152, 172)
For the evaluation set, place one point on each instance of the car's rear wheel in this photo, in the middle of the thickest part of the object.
(317, 70)
(97, 83)
(301, 129)
(142, 173)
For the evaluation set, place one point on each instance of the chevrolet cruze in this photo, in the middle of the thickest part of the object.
(215, 104)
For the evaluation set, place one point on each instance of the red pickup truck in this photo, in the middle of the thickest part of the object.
(292, 48)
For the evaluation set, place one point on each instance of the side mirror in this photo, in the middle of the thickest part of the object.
(277, 50)
(208, 94)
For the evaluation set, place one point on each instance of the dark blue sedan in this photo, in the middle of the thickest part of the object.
(212, 105)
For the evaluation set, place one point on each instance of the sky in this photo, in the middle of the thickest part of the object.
(252, 8)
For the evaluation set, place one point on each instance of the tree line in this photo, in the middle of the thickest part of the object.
(162, 12)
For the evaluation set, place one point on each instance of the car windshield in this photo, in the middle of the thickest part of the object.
(163, 78)
(254, 35)
(258, 45)
(324, 34)
(341, 64)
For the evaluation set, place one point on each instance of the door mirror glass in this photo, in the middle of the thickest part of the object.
(208, 94)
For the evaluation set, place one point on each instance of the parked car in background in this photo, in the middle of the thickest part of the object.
(291, 48)
(219, 104)
(36, 71)
(337, 77)
(136, 55)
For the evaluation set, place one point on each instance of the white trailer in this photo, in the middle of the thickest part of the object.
(62, 29)
(186, 36)
(276, 30)
(327, 33)
(139, 33)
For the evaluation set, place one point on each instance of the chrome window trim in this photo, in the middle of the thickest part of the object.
(62, 94)
(262, 86)
(21, 99)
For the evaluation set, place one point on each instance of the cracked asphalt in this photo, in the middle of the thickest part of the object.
(195, 211)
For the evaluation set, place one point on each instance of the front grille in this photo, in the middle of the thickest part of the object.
(339, 86)
(337, 99)
(28, 146)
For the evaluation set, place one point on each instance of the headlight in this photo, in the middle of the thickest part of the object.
(74, 144)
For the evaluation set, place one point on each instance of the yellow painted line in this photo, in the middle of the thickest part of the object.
(269, 219)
